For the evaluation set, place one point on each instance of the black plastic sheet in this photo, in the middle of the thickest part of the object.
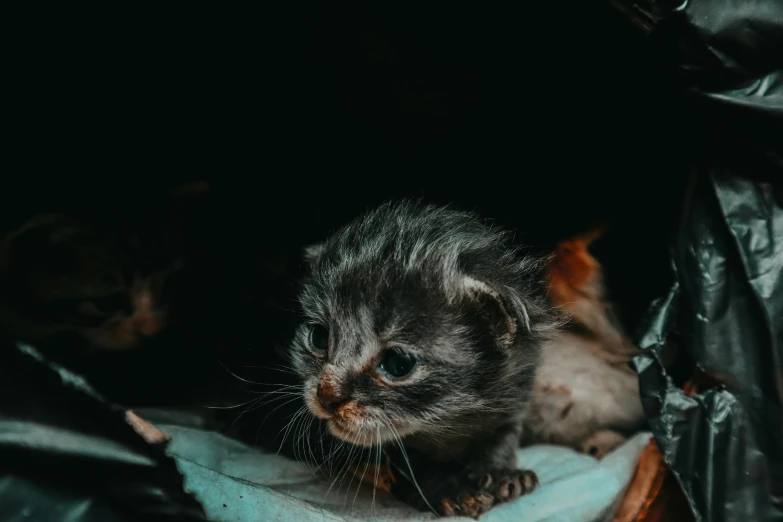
(68, 454)
(727, 53)
(725, 312)
(725, 444)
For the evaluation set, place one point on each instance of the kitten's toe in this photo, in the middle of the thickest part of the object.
(469, 504)
(512, 484)
(602, 442)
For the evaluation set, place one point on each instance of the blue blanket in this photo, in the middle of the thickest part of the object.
(240, 484)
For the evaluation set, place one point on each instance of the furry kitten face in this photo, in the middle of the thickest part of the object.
(63, 275)
(418, 320)
(112, 285)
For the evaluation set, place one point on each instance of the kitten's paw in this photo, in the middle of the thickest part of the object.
(508, 484)
(602, 442)
(468, 504)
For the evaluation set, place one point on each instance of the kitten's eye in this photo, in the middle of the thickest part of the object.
(319, 339)
(397, 364)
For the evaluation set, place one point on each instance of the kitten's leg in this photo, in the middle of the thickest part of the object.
(601, 442)
(430, 485)
(494, 466)
(468, 486)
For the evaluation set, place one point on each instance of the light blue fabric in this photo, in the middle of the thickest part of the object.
(239, 484)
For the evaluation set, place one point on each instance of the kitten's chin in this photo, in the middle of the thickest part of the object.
(368, 437)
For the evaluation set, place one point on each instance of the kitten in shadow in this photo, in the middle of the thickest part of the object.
(586, 395)
(106, 282)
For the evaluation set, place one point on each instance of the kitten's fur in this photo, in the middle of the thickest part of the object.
(586, 395)
(108, 284)
(444, 287)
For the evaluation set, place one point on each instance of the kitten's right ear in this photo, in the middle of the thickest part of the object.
(504, 310)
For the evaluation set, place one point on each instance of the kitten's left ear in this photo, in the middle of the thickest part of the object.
(505, 310)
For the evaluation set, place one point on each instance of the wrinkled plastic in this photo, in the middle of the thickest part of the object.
(68, 454)
(725, 443)
(725, 313)
(726, 51)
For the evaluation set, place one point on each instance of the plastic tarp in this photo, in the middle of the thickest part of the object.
(725, 312)
(67, 454)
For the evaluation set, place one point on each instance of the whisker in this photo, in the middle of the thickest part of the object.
(279, 384)
(230, 407)
(309, 446)
(260, 404)
(288, 427)
(337, 450)
(272, 368)
(273, 392)
(289, 401)
(301, 439)
(396, 434)
(354, 474)
(237, 376)
(361, 480)
(377, 467)
(299, 448)
(353, 453)
(338, 476)
(346, 467)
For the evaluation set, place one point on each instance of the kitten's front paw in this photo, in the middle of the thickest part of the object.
(467, 504)
(508, 484)
(487, 489)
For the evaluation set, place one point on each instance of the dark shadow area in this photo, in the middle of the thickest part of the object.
(548, 119)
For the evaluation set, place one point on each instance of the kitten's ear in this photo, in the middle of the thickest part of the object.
(502, 307)
(40, 239)
(313, 252)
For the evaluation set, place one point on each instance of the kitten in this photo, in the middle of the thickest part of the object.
(586, 395)
(108, 284)
(423, 328)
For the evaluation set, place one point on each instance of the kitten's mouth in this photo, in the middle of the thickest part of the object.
(368, 437)
(354, 426)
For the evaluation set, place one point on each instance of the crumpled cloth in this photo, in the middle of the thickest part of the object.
(237, 483)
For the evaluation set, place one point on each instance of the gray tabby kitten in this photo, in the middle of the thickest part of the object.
(422, 334)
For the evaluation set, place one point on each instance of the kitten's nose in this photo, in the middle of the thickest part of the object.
(328, 398)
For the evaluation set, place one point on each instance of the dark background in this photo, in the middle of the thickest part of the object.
(548, 118)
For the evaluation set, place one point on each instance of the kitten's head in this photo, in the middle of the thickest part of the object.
(416, 319)
(108, 283)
